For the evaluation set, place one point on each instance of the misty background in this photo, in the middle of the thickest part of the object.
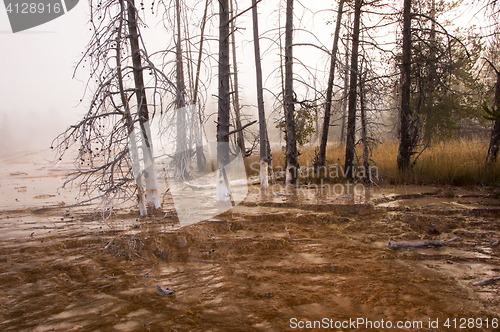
(40, 98)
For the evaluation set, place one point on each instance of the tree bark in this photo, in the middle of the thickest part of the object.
(153, 199)
(495, 131)
(134, 152)
(181, 144)
(223, 193)
(346, 92)
(351, 119)
(364, 125)
(405, 137)
(240, 140)
(260, 101)
(200, 157)
(292, 163)
(431, 79)
(329, 90)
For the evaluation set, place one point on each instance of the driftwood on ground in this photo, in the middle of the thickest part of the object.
(395, 245)
(486, 281)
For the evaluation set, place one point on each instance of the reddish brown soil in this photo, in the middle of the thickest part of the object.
(257, 267)
(272, 263)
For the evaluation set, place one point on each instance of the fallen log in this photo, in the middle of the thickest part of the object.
(395, 245)
(486, 281)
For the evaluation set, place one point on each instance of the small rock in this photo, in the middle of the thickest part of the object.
(164, 291)
(182, 241)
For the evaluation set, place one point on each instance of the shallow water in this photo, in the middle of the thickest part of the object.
(288, 253)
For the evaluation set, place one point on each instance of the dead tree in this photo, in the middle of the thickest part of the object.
(346, 92)
(364, 123)
(181, 159)
(115, 160)
(223, 104)
(240, 140)
(495, 131)
(292, 163)
(329, 91)
(405, 138)
(351, 119)
(153, 198)
(200, 157)
(264, 142)
(186, 58)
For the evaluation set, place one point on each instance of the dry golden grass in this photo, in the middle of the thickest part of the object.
(456, 162)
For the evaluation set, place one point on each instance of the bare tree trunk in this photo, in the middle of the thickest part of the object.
(260, 101)
(430, 82)
(134, 152)
(153, 199)
(351, 119)
(329, 90)
(364, 125)
(240, 140)
(495, 131)
(181, 145)
(194, 125)
(281, 68)
(223, 193)
(292, 163)
(269, 160)
(200, 157)
(346, 92)
(405, 138)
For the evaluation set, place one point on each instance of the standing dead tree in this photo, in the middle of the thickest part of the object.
(292, 163)
(346, 91)
(223, 192)
(329, 91)
(115, 159)
(372, 104)
(142, 106)
(264, 142)
(351, 119)
(182, 156)
(405, 137)
(495, 131)
(223, 133)
(364, 120)
(185, 57)
(240, 140)
(200, 157)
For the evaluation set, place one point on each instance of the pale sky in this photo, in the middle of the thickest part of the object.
(38, 96)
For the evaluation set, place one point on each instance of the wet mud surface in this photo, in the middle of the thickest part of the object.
(256, 267)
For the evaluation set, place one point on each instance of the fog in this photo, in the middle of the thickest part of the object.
(40, 98)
